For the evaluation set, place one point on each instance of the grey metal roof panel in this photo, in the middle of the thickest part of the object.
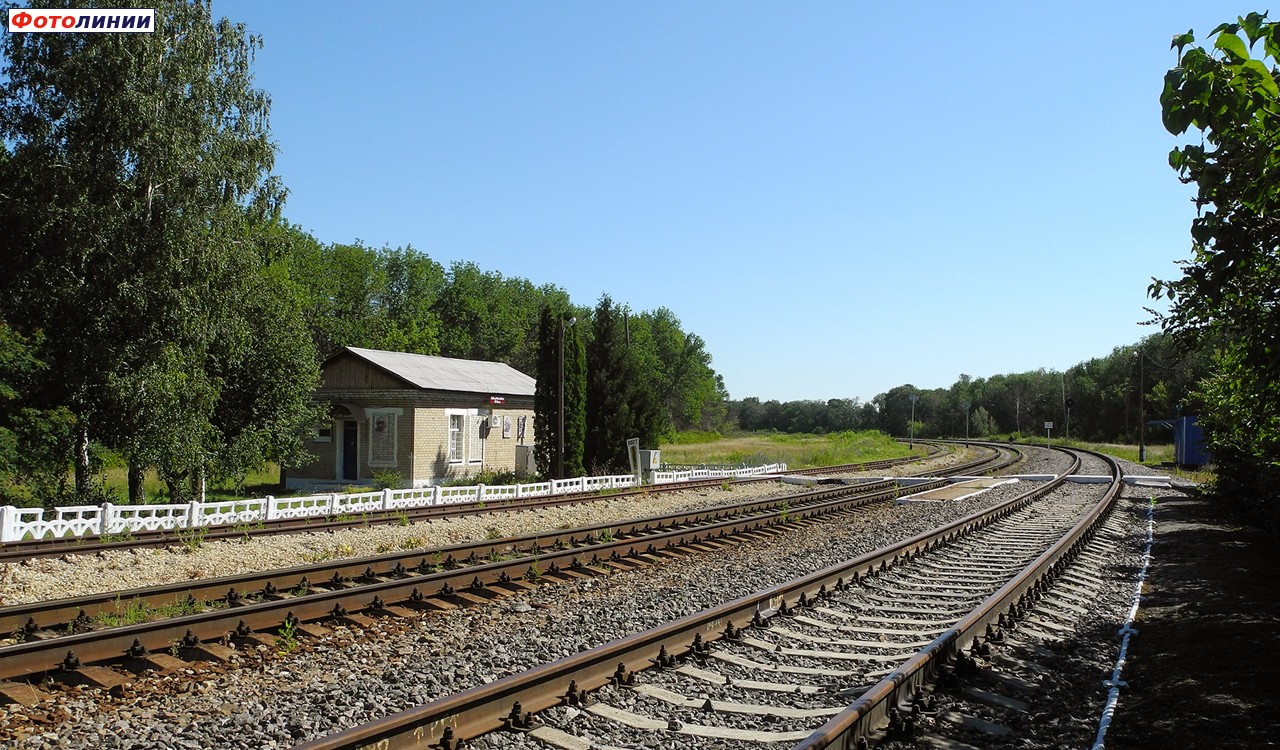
(446, 374)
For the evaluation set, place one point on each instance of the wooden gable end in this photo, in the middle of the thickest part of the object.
(347, 371)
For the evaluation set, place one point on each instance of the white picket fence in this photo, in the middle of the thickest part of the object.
(17, 524)
(666, 477)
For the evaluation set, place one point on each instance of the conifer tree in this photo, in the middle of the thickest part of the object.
(575, 402)
(546, 394)
(620, 401)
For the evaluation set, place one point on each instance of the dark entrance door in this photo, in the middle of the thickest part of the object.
(350, 450)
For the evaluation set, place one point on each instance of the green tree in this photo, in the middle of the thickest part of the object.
(546, 394)
(620, 401)
(342, 284)
(35, 445)
(355, 295)
(678, 369)
(1230, 289)
(267, 364)
(575, 402)
(486, 316)
(137, 187)
(980, 423)
(554, 320)
(413, 283)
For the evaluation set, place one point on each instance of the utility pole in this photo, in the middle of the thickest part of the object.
(912, 424)
(1142, 402)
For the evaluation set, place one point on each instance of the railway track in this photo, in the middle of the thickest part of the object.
(827, 660)
(26, 550)
(64, 638)
(1011, 692)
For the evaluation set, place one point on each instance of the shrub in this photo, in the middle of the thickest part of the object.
(389, 479)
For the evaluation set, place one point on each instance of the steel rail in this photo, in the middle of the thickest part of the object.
(27, 619)
(483, 709)
(18, 551)
(242, 618)
(852, 728)
(52, 613)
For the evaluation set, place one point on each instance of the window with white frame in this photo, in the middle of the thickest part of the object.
(468, 432)
(456, 421)
(476, 454)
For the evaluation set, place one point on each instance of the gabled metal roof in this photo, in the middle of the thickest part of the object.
(445, 374)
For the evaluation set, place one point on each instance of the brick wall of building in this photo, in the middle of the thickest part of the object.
(422, 429)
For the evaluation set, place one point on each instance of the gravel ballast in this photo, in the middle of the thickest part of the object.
(79, 575)
(351, 676)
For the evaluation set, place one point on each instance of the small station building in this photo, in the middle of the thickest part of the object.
(427, 419)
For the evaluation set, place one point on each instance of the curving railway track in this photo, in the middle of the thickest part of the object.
(63, 639)
(829, 659)
(32, 549)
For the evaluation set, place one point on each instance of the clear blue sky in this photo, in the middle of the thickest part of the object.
(839, 197)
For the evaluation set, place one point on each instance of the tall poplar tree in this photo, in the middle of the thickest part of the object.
(136, 194)
(620, 400)
(546, 394)
(575, 401)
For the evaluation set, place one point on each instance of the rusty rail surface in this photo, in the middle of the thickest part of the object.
(290, 599)
(860, 721)
(483, 709)
(17, 551)
(31, 617)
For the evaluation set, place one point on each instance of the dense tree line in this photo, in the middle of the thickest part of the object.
(1103, 393)
(400, 299)
(625, 376)
(157, 305)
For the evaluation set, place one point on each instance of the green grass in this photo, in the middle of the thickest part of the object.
(134, 612)
(693, 437)
(113, 481)
(797, 451)
(1156, 454)
(1160, 453)
(264, 481)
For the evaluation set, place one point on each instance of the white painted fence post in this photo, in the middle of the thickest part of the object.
(333, 503)
(519, 491)
(480, 493)
(104, 518)
(8, 514)
(269, 509)
(193, 514)
(386, 498)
